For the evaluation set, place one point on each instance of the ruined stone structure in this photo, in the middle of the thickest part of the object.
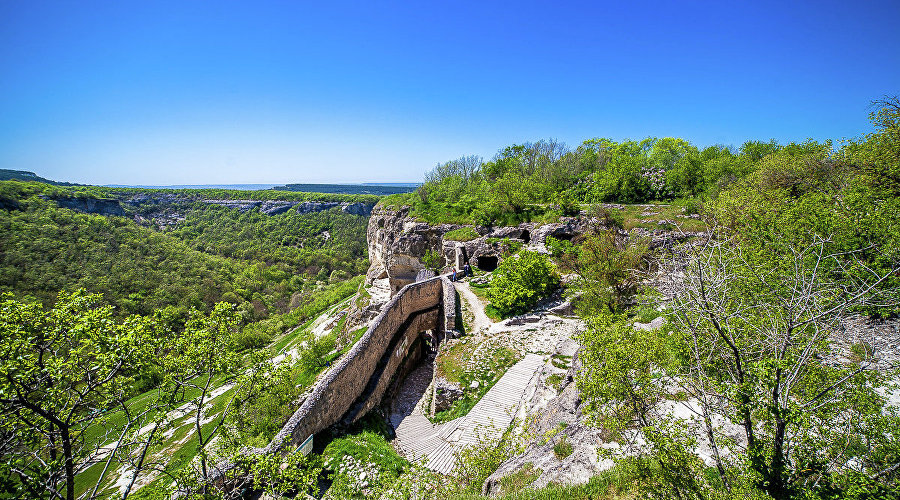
(391, 346)
(417, 319)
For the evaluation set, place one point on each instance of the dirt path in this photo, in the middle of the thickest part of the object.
(482, 322)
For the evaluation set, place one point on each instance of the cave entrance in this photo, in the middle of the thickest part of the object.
(526, 236)
(487, 263)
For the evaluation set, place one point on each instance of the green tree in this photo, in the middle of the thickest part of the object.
(755, 325)
(520, 280)
(62, 372)
(193, 363)
(609, 269)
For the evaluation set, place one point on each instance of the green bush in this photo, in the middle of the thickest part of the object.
(563, 448)
(520, 281)
(349, 456)
(315, 355)
(433, 260)
(607, 265)
(476, 462)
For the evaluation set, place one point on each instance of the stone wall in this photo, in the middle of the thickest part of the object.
(357, 383)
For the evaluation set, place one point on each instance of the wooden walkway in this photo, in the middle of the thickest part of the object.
(437, 445)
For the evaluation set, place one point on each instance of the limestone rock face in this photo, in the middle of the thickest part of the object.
(99, 206)
(277, 207)
(560, 419)
(398, 245)
(363, 209)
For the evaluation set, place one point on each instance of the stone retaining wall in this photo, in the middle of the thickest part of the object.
(358, 381)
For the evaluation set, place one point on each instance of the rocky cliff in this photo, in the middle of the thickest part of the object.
(301, 207)
(166, 208)
(400, 246)
(100, 206)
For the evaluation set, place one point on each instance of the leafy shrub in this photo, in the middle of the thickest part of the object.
(608, 266)
(278, 474)
(315, 355)
(520, 281)
(265, 405)
(563, 448)
(476, 462)
(606, 217)
(433, 260)
(554, 380)
(690, 206)
(558, 248)
(362, 465)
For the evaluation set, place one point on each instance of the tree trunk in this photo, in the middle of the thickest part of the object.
(777, 486)
(70, 464)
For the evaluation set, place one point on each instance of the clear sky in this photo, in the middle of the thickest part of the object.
(187, 92)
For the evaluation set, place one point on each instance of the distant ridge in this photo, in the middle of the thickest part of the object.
(380, 189)
(24, 175)
(236, 187)
(373, 188)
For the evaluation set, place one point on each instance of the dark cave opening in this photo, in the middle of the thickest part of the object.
(487, 263)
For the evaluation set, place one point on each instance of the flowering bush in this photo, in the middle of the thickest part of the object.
(655, 176)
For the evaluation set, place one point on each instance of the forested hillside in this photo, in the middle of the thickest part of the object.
(172, 249)
(208, 332)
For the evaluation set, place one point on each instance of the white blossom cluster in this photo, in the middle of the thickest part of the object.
(656, 177)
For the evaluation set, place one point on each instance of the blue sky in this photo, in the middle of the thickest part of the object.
(180, 92)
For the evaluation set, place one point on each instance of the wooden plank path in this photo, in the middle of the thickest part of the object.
(490, 417)
(418, 439)
(415, 435)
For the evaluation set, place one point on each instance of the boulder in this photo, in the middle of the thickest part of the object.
(656, 324)
(445, 394)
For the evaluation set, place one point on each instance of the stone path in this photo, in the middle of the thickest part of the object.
(482, 322)
(437, 445)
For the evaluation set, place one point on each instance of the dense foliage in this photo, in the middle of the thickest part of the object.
(546, 179)
(304, 243)
(520, 281)
(264, 264)
(807, 238)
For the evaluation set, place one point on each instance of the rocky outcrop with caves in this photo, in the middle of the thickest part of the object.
(399, 245)
(99, 206)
